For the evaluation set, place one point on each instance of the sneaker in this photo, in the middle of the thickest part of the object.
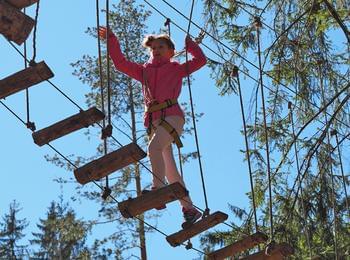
(191, 215)
(145, 191)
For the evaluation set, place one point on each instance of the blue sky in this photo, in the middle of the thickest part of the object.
(28, 178)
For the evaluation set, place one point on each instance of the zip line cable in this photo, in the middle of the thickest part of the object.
(206, 211)
(94, 182)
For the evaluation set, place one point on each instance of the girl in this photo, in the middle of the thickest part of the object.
(161, 80)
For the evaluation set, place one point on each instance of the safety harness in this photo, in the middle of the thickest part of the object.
(165, 124)
(156, 106)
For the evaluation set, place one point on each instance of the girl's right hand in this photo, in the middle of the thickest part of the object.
(102, 32)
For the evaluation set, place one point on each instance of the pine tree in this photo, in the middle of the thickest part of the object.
(11, 233)
(61, 235)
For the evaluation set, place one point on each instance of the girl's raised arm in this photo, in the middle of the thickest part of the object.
(130, 68)
(198, 58)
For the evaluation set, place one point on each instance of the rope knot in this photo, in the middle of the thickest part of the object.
(257, 22)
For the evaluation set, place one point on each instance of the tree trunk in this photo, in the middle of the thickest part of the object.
(141, 228)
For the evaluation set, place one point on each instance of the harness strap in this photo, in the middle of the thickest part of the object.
(172, 131)
(156, 107)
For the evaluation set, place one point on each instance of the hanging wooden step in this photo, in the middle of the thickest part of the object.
(205, 223)
(14, 25)
(133, 207)
(24, 79)
(239, 246)
(21, 3)
(109, 163)
(68, 125)
(277, 252)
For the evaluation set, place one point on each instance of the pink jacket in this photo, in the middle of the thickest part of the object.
(164, 77)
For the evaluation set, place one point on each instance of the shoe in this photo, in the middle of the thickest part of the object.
(191, 215)
(145, 191)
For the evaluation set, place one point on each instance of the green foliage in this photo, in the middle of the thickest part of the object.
(61, 235)
(11, 232)
(305, 62)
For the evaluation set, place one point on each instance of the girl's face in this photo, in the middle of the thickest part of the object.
(160, 49)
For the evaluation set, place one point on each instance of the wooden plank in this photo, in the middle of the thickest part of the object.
(239, 246)
(133, 207)
(109, 163)
(24, 79)
(14, 25)
(21, 3)
(68, 125)
(277, 252)
(205, 223)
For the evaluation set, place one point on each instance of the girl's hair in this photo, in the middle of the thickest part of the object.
(147, 41)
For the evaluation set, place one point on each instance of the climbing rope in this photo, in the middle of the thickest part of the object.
(108, 70)
(32, 62)
(258, 27)
(106, 190)
(29, 124)
(206, 212)
(167, 24)
(236, 75)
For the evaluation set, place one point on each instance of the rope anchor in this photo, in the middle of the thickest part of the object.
(189, 245)
(31, 126)
(107, 132)
(106, 192)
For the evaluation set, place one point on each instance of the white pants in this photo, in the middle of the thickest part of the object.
(161, 155)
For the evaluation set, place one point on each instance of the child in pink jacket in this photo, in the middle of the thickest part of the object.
(161, 79)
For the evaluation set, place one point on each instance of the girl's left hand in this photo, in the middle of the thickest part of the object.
(102, 32)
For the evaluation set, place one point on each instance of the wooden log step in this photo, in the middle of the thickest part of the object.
(109, 163)
(276, 252)
(205, 223)
(68, 125)
(24, 79)
(14, 25)
(21, 3)
(238, 246)
(156, 198)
